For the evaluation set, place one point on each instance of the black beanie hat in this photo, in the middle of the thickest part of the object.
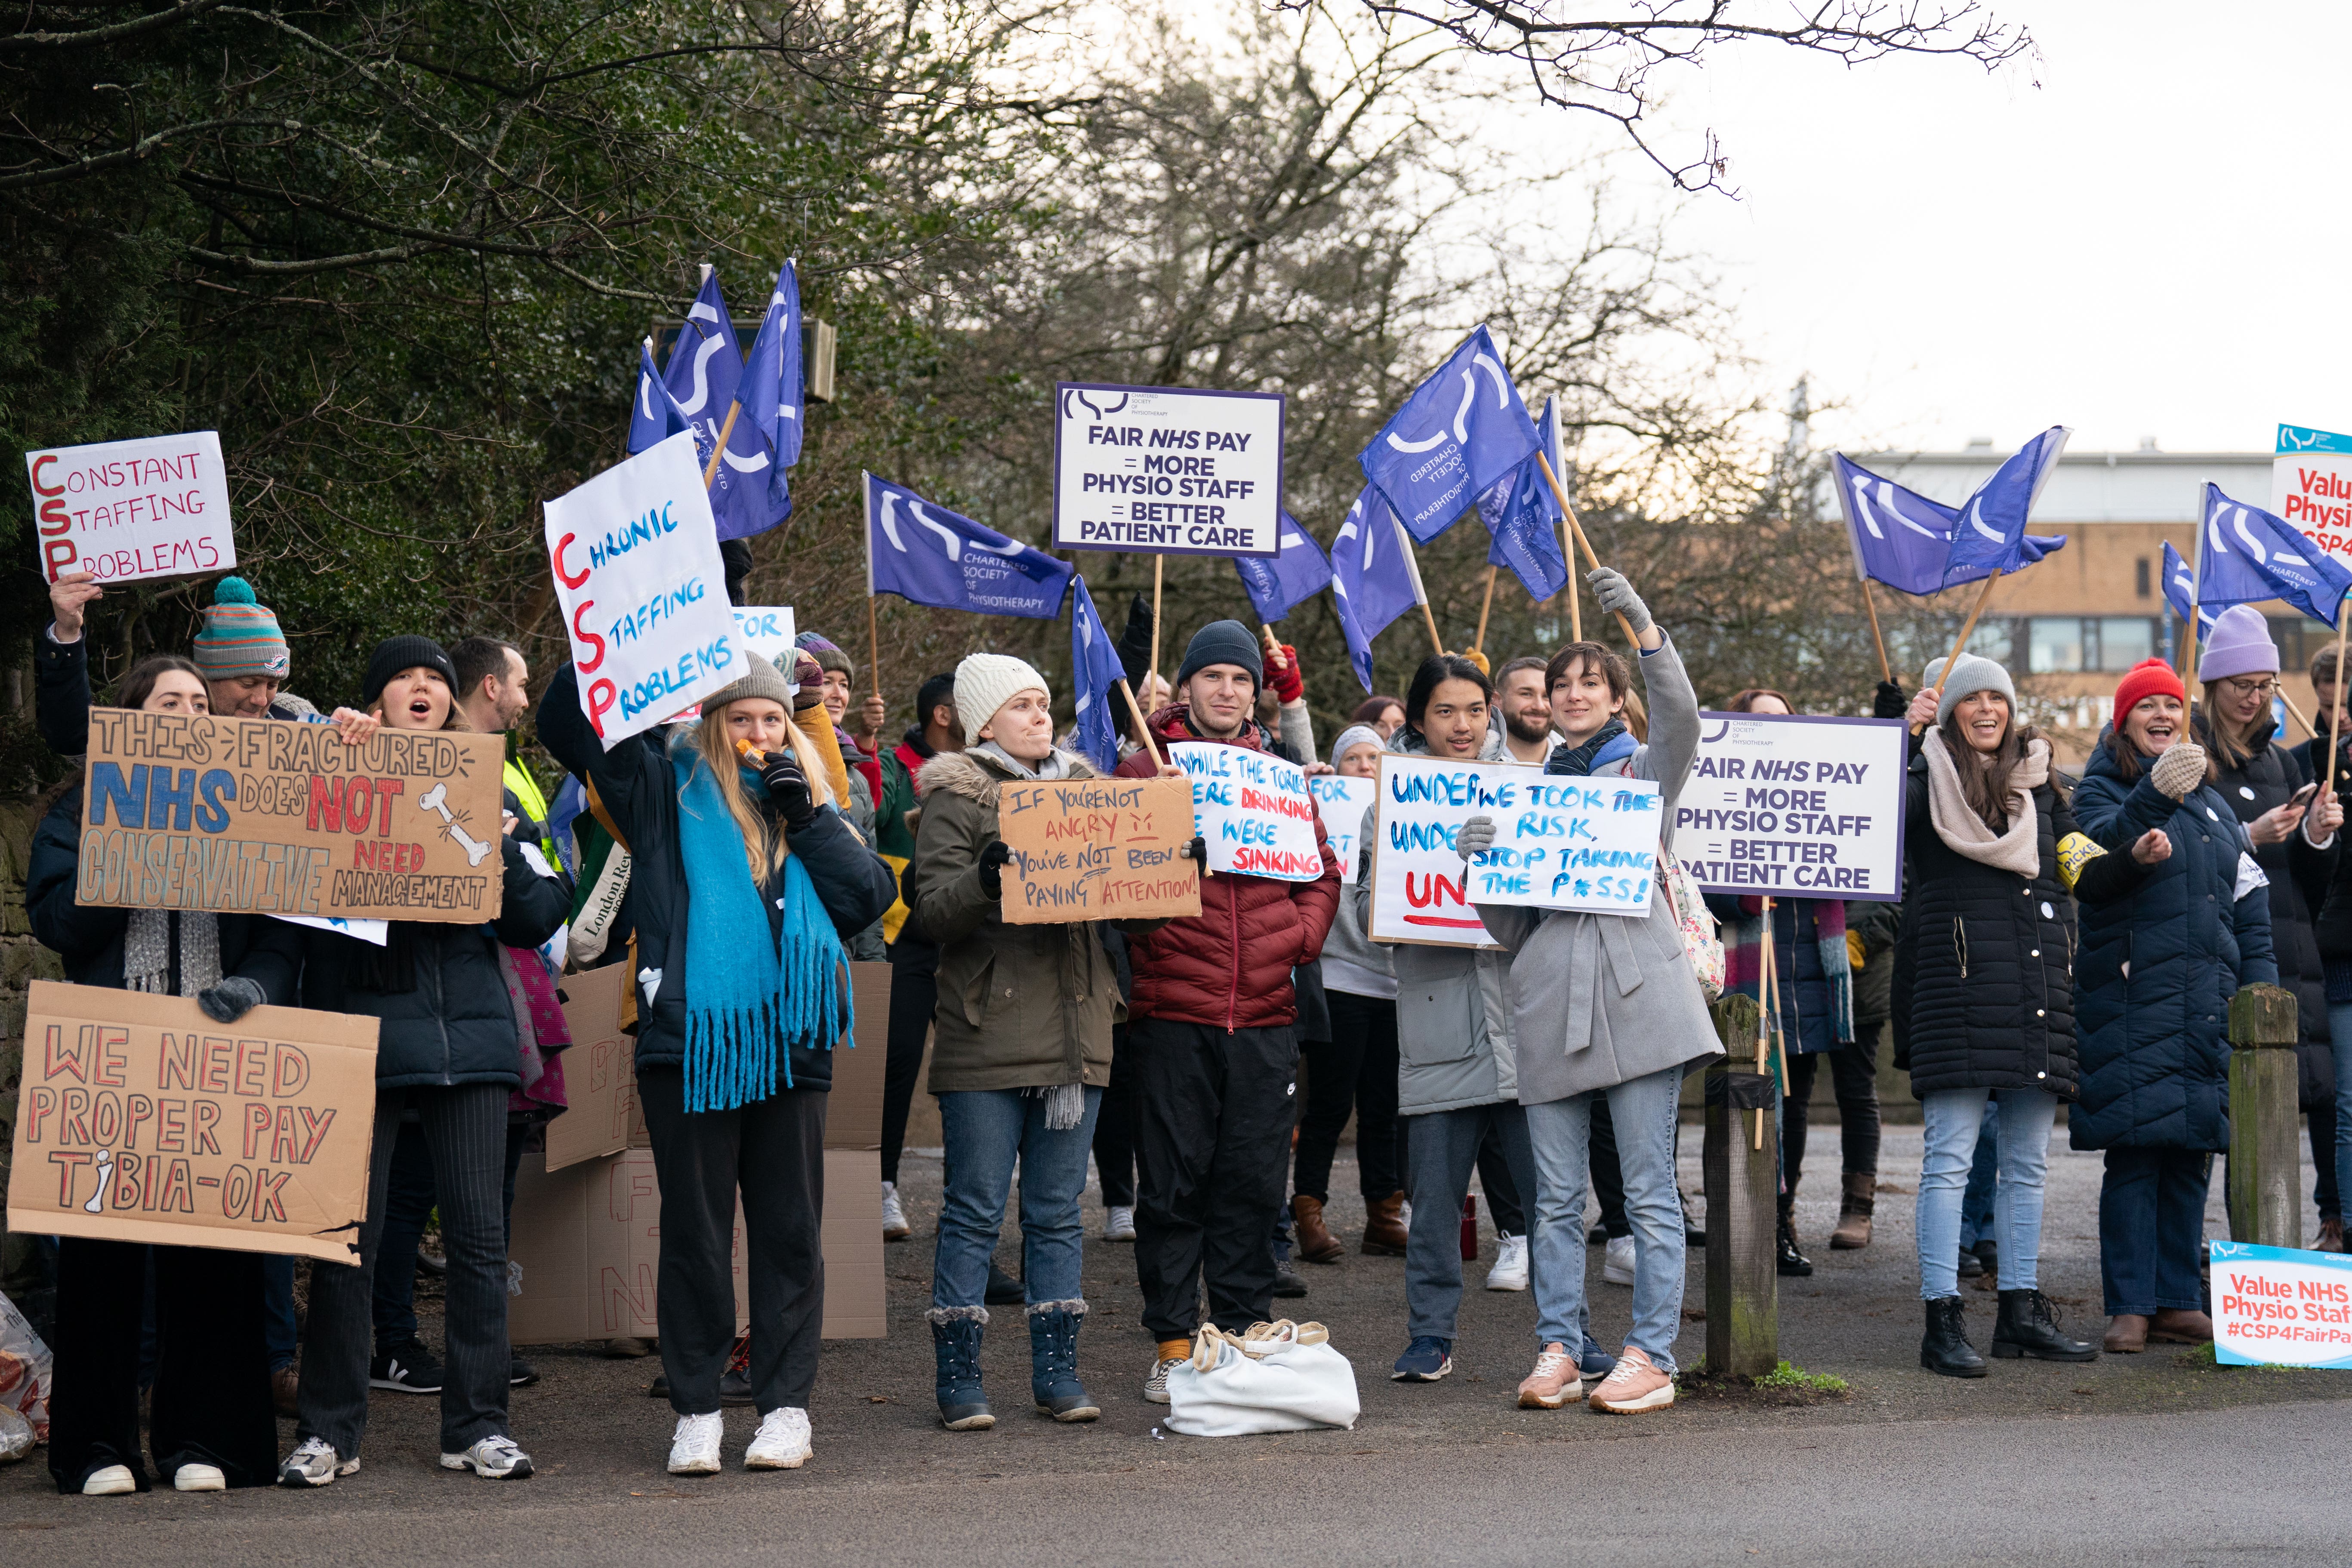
(395, 654)
(1222, 642)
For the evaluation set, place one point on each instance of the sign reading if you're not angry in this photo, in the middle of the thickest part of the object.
(1784, 804)
(1171, 470)
(1098, 849)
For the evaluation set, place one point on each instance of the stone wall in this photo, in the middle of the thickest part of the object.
(22, 961)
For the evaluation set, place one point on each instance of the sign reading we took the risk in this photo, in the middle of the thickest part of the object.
(1167, 470)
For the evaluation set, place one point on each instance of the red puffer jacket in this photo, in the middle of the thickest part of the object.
(1229, 966)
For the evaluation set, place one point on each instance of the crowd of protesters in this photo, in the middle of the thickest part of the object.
(2054, 946)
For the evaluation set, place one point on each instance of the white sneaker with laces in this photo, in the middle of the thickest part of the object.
(694, 1451)
(894, 1215)
(1155, 1387)
(1510, 1270)
(314, 1464)
(495, 1458)
(1118, 1224)
(1617, 1266)
(112, 1482)
(199, 1479)
(783, 1441)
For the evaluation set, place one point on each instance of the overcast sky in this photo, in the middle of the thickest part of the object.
(2152, 242)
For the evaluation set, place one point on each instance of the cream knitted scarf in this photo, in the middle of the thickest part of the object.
(1959, 826)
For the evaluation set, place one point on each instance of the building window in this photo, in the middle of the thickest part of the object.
(2055, 644)
(2140, 577)
(2126, 640)
(2287, 633)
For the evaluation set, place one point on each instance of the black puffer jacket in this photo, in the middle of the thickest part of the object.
(89, 939)
(1984, 967)
(2299, 875)
(635, 783)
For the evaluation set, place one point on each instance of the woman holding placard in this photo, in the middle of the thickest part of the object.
(746, 883)
(210, 1422)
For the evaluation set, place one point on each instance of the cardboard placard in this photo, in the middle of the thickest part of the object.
(1342, 801)
(1780, 803)
(1253, 810)
(1098, 849)
(256, 816)
(600, 1079)
(142, 1120)
(154, 507)
(2280, 1306)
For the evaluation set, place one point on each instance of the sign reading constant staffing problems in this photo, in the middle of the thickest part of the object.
(1781, 803)
(1168, 470)
(155, 506)
(1098, 849)
(253, 815)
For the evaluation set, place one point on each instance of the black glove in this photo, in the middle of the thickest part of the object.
(992, 861)
(1196, 850)
(1889, 702)
(790, 790)
(232, 999)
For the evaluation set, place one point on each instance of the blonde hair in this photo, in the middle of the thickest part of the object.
(763, 847)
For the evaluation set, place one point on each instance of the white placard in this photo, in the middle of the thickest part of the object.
(155, 506)
(379, 932)
(767, 630)
(635, 556)
(1169, 470)
(1342, 802)
(1254, 809)
(1781, 803)
(2280, 1306)
(2311, 486)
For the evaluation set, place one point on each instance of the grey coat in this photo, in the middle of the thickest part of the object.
(1603, 999)
(1456, 1044)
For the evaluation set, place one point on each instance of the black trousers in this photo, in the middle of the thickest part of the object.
(914, 998)
(1212, 1147)
(1608, 1175)
(1355, 1070)
(212, 1371)
(772, 1152)
(1854, 1077)
(1505, 1202)
(1114, 1143)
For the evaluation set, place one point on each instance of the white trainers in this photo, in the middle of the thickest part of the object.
(1617, 1266)
(894, 1215)
(783, 1441)
(314, 1464)
(112, 1482)
(694, 1451)
(1155, 1387)
(1118, 1222)
(1510, 1270)
(199, 1479)
(495, 1458)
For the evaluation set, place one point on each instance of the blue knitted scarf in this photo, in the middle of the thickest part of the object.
(748, 1000)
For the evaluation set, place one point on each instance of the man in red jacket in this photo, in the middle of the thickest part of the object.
(1212, 1031)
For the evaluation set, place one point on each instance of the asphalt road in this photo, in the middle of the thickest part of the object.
(2152, 1458)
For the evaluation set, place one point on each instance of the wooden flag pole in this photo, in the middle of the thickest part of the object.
(1480, 642)
(1962, 640)
(2336, 719)
(1150, 743)
(873, 650)
(1159, 565)
(718, 448)
(1763, 1019)
(1436, 642)
(1576, 532)
(1870, 602)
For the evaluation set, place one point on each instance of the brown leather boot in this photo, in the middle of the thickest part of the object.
(2331, 1236)
(1384, 1233)
(2182, 1326)
(1316, 1242)
(1852, 1230)
(2126, 1334)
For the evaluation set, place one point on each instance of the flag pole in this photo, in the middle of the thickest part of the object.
(1575, 529)
(873, 643)
(1159, 565)
(1970, 624)
(1141, 729)
(719, 448)
(1480, 643)
(1419, 589)
(1870, 602)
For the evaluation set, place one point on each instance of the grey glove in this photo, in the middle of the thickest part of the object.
(232, 999)
(1476, 836)
(2180, 769)
(1617, 597)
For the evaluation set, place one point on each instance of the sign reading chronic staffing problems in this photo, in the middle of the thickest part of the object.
(259, 816)
(1098, 849)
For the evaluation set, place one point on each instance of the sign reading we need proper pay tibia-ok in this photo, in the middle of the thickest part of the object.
(155, 506)
(1780, 804)
(1253, 809)
(1166, 470)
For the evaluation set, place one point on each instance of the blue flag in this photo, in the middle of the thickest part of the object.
(2180, 587)
(749, 494)
(791, 404)
(706, 364)
(1991, 535)
(1524, 516)
(1280, 583)
(1461, 432)
(1094, 671)
(2249, 555)
(656, 414)
(1903, 539)
(1372, 578)
(930, 555)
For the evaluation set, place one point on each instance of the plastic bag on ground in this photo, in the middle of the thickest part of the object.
(24, 1372)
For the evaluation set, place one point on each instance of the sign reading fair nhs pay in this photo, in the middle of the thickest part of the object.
(1167, 470)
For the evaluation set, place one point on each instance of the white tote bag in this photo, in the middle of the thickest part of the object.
(1279, 1377)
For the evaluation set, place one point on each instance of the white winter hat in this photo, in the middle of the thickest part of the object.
(987, 682)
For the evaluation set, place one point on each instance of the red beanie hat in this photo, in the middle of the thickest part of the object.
(2148, 678)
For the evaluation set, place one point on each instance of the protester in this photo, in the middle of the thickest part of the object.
(862, 747)
(1385, 714)
(1523, 710)
(2161, 958)
(1356, 1070)
(209, 1419)
(1607, 1007)
(1215, 1051)
(1457, 1078)
(1869, 931)
(2332, 932)
(862, 773)
(494, 694)
(245, 658)
(914, 958)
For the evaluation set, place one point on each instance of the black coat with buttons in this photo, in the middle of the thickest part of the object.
(1983, 967)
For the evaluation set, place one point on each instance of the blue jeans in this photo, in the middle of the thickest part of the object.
(2152, 1229)
(1954, 1118)
(2339, 1036)
(1443, 1148)
(1976, 1206)
(986, 1130)
(1642, 1110)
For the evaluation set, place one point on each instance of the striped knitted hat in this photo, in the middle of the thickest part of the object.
(241, 635)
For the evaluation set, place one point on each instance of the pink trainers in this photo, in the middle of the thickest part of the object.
(1634, 1385)
(1554, 1382)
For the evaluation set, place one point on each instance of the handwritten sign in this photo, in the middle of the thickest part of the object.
(251, 815)
(1560, 843)
(1253, 808)
(1342, 802)
(1782, 804)
(142, 1120)
(767, 630)
(635, 556)
(1167, 468)
(1098, 849)
(155, 506)
(2276, 1306)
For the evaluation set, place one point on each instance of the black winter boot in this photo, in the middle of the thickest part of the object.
(1790, 1262)
(963, 1407)
(2027, 1327)
(1945, 1349)
(1053, 1362)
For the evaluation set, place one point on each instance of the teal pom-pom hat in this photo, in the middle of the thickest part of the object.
(241, 635)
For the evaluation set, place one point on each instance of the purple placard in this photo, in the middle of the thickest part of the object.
(1167, 470)
(1795, 807)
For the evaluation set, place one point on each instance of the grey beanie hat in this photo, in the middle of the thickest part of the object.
(1222, 642)
(1972, 674)
(760, 679)
(1356, 735)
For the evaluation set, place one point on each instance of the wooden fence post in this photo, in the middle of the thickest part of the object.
(1743, 1184)
(2265, 1194)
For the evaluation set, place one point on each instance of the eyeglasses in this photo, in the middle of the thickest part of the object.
(2240, 686)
